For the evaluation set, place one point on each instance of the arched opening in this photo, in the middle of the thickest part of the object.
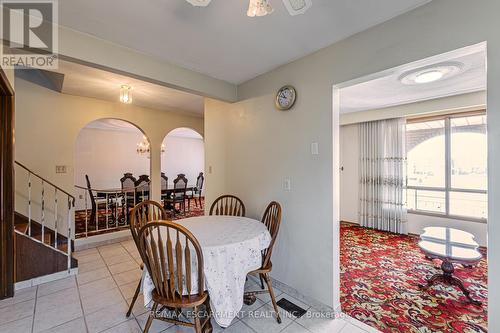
(112, 170)
(184, 159)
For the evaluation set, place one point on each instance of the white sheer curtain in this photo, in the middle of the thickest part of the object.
(383, 175)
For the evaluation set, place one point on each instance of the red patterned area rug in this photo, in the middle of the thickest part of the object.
(380, 273)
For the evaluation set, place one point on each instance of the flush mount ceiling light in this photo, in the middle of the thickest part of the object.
(125, 94)
(263, 7)
(259, 8)
(296, 7)
(199, 3)
(432, 73)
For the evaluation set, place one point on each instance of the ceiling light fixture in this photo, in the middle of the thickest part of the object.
(432, 73)
(199, 3)
(125, 94)
(296, 7)
(259, 8)
(430, 76)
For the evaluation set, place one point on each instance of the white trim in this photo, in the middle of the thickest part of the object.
(44, 279)
(103, 239)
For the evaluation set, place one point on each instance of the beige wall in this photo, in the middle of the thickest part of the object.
(268, 145)
(48, 123)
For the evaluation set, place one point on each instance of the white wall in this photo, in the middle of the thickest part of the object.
(267, 144)
(349, 193)
(105, 155)
(183, 155)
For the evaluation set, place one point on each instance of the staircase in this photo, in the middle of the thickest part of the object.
(43, 245)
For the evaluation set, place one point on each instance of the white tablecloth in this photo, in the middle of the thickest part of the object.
(231, 249)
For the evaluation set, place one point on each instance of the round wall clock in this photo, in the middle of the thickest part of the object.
(285, 98)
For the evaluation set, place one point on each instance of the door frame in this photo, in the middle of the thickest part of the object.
(6, 187)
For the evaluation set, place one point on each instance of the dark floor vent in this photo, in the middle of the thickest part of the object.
(291, 308)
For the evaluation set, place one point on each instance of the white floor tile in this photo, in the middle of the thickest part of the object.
(57, 308)
(123, 267)
(319, 322)
(128, 290)
(16, 311)
(128, 277)
(18, 326)
(94, 275)
(21, 295)
(98, 286)
(102, 300)
(89, 266)
(264, 320)
(350, 328)
(112, 260)
(156, 326)
(237, 327)
(74, 326)
(129, 326)
(296, 328)
(89, 258)
(103, 320)
(139, 307)
(54, 286)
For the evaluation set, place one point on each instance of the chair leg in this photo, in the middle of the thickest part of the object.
(273, 298)
(197, 323)
(261, 282)
(137, 291)
(150, 318)
(208, 325)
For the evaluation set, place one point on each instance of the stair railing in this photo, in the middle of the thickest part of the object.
(109, 209)
(60, 225)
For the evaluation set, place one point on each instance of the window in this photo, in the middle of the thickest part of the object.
(447, 166)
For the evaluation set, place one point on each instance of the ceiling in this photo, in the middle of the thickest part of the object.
(87, 81)
(220, 40)
(387, 90)
(123, 126)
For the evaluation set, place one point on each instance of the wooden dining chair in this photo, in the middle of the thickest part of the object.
(228, 205)
(179, 194)
(142, 214)
(171, 255)
(197, 190)
(272, 221)
(142, 188)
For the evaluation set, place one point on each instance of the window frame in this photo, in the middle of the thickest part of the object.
(447, 189)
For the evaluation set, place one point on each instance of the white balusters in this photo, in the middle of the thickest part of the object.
(55, 217)
(43, 212)
(29, 204)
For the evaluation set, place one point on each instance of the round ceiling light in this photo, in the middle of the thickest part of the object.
(432, 73)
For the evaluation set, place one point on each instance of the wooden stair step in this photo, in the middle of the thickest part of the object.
(21, 227)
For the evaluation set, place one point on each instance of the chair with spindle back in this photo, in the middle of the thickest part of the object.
(196, 192)
(142, 214)
(128, 191)
(179, 193)
(171, 255)
(272, 221)
(229, 205)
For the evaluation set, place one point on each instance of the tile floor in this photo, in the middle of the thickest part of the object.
(97, 299)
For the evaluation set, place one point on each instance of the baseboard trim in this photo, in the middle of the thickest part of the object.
(103, 239)
(296, 294)
(44, 279)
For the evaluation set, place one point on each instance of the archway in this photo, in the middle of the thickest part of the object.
(112, 164)
(184, 154)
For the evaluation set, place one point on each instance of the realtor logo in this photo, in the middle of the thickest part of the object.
(29, 34)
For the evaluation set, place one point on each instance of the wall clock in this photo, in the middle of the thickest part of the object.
(285, 98)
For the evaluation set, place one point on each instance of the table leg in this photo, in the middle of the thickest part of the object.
(447, 277)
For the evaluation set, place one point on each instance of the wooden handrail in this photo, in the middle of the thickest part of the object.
(45, 180)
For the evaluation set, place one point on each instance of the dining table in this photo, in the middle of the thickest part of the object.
(232, 247)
